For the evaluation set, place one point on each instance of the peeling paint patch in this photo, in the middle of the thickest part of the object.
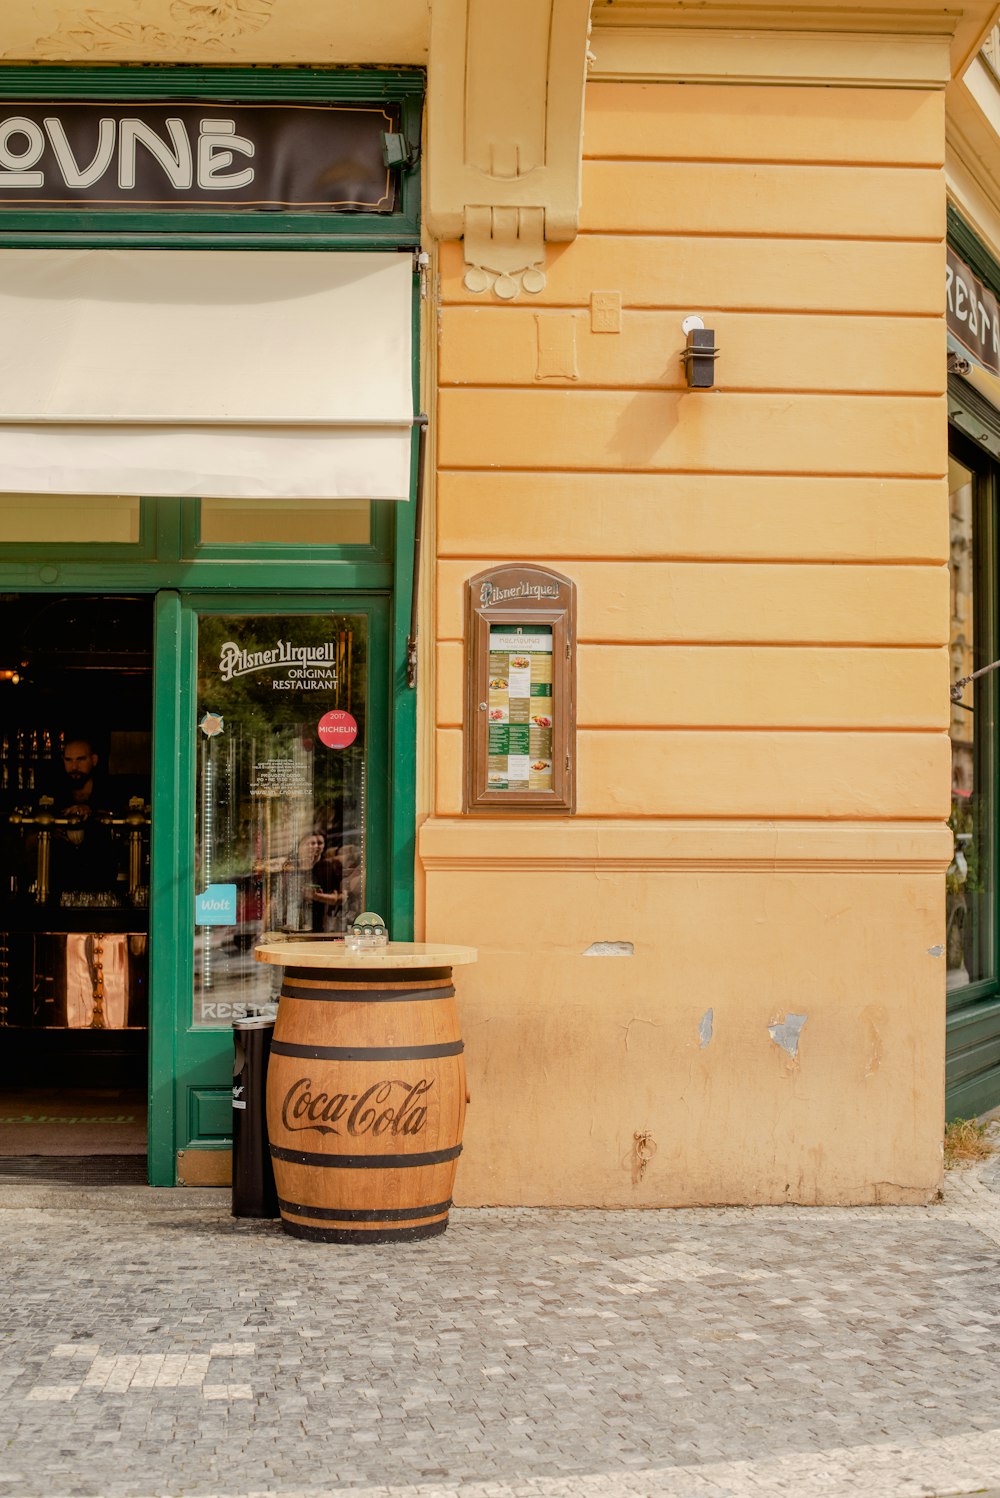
(872, 1017)
(643, 1150)
(610, 949)
(787, 1034)
(705, 1028)
(937, 951)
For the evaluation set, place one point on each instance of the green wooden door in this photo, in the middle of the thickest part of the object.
(272, 810)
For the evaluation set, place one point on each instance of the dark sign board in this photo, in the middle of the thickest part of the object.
(313, 157)
(972, 313)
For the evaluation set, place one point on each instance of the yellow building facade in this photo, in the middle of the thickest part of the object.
(722, 979)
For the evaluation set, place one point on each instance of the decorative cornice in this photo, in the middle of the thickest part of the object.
(505, 122)
(964, 22)
(691, 865)
(773, 15)
(592, 846)
(711, 54)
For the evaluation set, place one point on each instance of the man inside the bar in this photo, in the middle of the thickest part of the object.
(83, 853)
(91, 983)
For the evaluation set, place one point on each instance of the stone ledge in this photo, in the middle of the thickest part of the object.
(672, 846)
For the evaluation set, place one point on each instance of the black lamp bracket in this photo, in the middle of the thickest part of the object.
(699, 357)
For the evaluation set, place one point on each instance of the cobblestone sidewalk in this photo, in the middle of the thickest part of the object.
(158, 1347)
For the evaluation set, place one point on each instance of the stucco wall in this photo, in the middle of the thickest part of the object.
(763, 705)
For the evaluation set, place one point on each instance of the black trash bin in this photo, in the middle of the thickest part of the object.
(254, 1193)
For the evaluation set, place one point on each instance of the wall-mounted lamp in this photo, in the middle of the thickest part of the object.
(700, 354)
(13, 677)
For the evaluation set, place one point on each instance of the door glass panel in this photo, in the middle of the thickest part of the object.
(280, 794)
(288, 522)
(970, 877)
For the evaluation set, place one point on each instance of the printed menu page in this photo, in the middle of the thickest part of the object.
(520, 708)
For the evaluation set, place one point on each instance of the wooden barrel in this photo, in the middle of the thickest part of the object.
(365, 1103)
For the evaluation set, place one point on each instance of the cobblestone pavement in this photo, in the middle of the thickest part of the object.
(152, 1345)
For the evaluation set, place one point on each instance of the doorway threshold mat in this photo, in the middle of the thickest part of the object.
(63, 1139)
(72, 1122)
(75, 1170)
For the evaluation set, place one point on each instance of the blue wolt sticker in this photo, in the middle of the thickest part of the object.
(216, 907)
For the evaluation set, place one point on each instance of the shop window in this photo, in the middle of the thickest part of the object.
(971, 885)
(73, 518)
(289, 522)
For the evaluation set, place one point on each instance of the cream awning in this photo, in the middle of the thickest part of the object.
(272, 374)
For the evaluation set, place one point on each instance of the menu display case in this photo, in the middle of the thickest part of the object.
(520, 698)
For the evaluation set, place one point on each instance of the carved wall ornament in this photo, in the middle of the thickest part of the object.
(505, 125)
(216, 26)
(505, 250)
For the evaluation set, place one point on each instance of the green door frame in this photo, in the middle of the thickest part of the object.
(972, 1047)
(190, 1068)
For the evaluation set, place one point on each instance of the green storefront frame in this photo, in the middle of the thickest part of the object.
(972, 1061)
(181, 587)
(972, 1064)
(170, 562)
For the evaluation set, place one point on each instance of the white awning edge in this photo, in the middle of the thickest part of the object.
(207, 462)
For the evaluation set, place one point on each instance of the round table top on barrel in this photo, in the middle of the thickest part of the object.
(334, 954)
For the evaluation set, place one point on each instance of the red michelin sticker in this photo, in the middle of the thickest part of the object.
(337, 730)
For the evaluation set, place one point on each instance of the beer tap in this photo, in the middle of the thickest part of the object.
(135, 819)
(45, 821)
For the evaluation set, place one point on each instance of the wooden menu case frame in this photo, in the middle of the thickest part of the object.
(504, 602)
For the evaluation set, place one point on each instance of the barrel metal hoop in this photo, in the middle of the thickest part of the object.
(365, 995)
(366, 1053)
(375, 1234)
(364, 1214)
(365, 1162)
(349, 977)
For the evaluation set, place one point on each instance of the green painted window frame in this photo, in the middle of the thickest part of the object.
(378, 547)
(973, 1013)
(966, 243)
(175, 229)
(972, 1068)
(164, 543)
(142, 549)
(985, 497)
(186, 1059)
